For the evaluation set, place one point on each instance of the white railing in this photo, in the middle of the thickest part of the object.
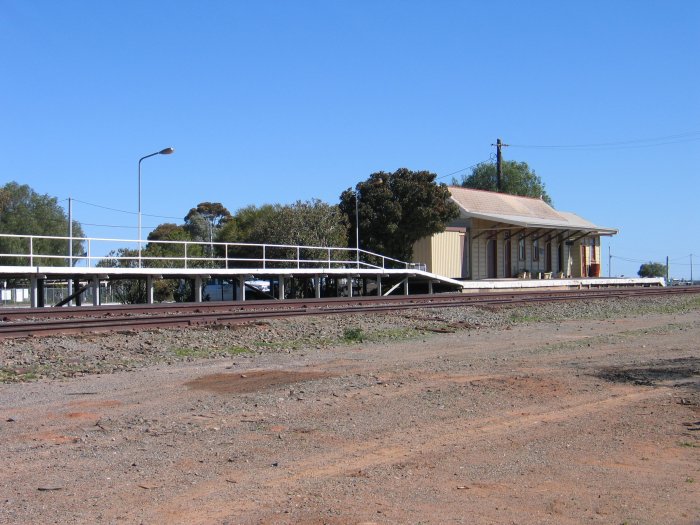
(42, 250)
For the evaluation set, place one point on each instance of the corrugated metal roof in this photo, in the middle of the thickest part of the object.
(526, 212)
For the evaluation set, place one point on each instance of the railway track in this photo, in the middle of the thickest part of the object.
(51, 321)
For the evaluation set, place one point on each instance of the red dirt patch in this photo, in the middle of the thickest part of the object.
(252, 381)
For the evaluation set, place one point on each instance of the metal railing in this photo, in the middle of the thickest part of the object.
(42, 250)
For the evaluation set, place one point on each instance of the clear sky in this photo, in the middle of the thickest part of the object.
(279, 101)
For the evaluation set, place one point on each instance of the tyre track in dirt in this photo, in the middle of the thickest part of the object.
(487, 426)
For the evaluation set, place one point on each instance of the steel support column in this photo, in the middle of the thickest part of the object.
(198, 289)
(149, 289)
(96, 291)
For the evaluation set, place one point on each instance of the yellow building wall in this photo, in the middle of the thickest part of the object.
(441, 253)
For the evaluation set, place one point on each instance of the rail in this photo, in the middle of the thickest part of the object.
(44, 250)
(37, 322)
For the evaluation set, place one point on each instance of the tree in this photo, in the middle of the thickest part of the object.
(304, 223)
(176, 252)
(518, 179)
(126, 291)
(25, 212)
(652, 269)
(204, 222)
(396, 210)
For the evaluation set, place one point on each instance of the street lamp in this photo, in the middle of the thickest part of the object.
(357, 229)
(166, 151)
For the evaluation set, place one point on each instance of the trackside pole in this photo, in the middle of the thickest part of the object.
(149, 289)
(240, 292)
(280, 287)
(95, 291)
(198, 289)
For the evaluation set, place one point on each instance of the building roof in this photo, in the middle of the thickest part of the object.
(526, 212)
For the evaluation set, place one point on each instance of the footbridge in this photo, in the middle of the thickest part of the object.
(86, 267)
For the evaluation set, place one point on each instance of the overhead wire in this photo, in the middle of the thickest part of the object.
(490, 159)
(125, 211)
(621, 144)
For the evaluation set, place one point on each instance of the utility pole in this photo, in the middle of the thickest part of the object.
(70, 246)
(691, 268)
(499, 164)
(609, 262)
(667, 269)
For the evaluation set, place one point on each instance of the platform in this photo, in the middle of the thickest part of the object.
(347, 268)
(505, 285)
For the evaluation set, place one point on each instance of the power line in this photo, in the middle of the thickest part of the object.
(128, 212)
(622, 144)
(114, 226)
(490, 159)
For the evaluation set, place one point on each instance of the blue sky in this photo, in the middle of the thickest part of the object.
(281, 101)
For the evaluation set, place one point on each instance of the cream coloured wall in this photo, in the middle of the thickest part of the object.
(442, 253)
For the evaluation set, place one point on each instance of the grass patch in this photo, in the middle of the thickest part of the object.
(210, 352)
(689, 444)
(237, 350)
(353, 335)
(8, 375)
(522, 317)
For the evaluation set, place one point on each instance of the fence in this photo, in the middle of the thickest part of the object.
(41, 250)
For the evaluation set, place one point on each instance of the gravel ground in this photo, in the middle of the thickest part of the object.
(555, 413)
(27, 359)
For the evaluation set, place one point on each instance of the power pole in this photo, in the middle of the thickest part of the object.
(70, 246)
(499, 164)
(691, 268)
(667, 269)
(609, 262)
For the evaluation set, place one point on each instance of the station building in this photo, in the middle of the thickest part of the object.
(502, 236)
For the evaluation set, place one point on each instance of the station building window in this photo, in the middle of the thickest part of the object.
(521, 248)
(536, 250)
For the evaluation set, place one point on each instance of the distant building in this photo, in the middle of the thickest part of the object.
(507, 236)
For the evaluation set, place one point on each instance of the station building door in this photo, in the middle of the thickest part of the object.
(491, 262)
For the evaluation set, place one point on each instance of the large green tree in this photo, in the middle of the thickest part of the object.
(25, 212)
(518, 179)
(396, 210)
(303, 223)
(204, 222)
(307, 223)
(652, 269)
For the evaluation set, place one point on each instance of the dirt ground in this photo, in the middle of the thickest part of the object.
(593, 421)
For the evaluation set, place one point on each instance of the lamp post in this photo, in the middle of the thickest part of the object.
(166, 151)
(357, 229)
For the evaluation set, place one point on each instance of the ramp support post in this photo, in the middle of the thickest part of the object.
(149, 289)
(280, 290)
(240, 291)
(198, 289)
(96, 291)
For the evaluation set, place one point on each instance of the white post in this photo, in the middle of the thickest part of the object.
(280, 291)
(34, 297)
(149, 289)
(198, 289)
(317, 286)
(379, 285)
(96, 291)
(240, 293)
(349, 279)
